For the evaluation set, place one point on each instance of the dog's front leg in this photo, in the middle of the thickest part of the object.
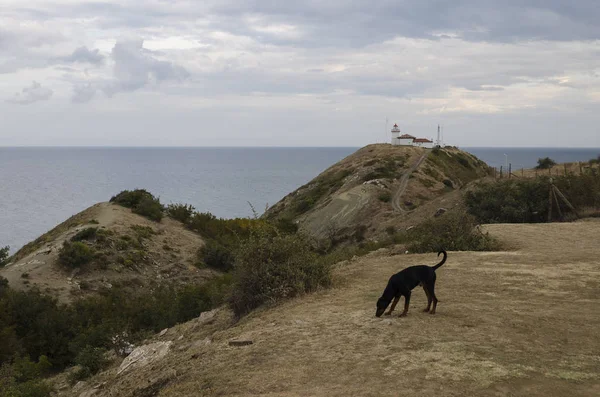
(406, 302)
(394, 303)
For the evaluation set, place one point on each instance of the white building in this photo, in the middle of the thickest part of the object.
(409, 140)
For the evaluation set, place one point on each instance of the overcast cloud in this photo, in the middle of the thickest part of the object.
(301, 73)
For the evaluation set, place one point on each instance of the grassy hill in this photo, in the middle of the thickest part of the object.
(376, 188)
(124, 249)
(520, 322)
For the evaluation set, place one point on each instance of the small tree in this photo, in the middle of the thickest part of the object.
(545, 163)
(4, 256)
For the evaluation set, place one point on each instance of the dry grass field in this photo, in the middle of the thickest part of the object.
(524, 322)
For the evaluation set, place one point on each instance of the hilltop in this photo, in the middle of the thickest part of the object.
(130, 251)
(377, 188)
(512, 322)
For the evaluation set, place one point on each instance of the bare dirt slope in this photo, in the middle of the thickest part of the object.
(518, 323)
(167, 255)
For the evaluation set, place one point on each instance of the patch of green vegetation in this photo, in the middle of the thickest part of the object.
(94, 222)
(526, 200)
(270, 268)
(545, 163)
(458, 167)
(180, 212)
(85, 234)
(389, 168)
(4, 256)
(309, 195)
(33, 325)
(386, 197)
(141, 202)
(75, 254)
(143, 232)
(452, 232)
(90, 360)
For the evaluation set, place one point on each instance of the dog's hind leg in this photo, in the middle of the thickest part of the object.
(406, 302)
(429, 299)
(435, 299)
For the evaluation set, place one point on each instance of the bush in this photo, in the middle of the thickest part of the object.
(4, 256)
(91, 361)
(180, 212)
(509, 201)
(150, 208)
(141, 202)
(545, 163)
(217, 256)
(75, 254)
(85, 234)
(451, 232)
(271, 268)
(385, 197)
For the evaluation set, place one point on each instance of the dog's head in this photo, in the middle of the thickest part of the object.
(382, 304)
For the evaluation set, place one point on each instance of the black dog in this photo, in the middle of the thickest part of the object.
(402, 283)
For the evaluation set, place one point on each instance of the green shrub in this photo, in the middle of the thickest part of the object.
(141, 202)
(448, 183)
(151, 208)
(217, 256)
(143, 232)
(85, 234)
(452, 232)
(545, 163)
(4, 256)
(180, 212)
(386, 197)
(526, 200)
(91, 360)
(75, 254)
(271, 268)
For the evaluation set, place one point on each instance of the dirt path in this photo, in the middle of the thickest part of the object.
(404, 183)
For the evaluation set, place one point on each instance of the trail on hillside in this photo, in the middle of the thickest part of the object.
(404, 183)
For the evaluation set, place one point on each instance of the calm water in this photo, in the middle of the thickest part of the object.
(42, 187)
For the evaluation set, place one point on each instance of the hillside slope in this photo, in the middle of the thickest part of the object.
(375, 188)
(521, 323)
(134, 251)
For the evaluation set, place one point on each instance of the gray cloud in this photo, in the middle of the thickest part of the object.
(84, 55)
(135, 67)
(359, 23)
(83, 93)
(29, 95)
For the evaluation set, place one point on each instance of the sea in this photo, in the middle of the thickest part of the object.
(41, 187)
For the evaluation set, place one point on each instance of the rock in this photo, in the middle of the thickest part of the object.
(163, 332)
(180, 337)
(145, 355)
(240, 342)
(409, 228)
(79, 386)
(88, 393)
(207, 317)
(439, 212)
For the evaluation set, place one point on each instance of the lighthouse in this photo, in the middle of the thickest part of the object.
(395, 134)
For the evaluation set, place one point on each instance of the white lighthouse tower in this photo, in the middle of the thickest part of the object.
(395, 135)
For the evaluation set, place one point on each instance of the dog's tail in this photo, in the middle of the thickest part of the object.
(443, 260)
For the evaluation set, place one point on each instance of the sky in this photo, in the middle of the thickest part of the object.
(299, 73)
